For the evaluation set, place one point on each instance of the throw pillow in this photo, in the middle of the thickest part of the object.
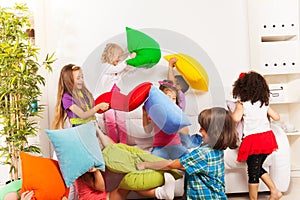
(43, 176)
(164, 113)
(191, 70)
(147, 50)
(77, 150)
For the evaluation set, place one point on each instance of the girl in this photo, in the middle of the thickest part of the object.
(179, 81)
(165, 145)
(112, 58)
(74, 100)
(205, 164)
(252, 92)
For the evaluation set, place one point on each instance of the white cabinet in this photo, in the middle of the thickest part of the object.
(275, 53)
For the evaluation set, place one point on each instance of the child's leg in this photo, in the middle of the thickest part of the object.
(118, 194)
(164, 192)
(253, 191)
(254, 164)
(121, 126)
(265, 177)
(103, 139)
(274, 192)
(111, 126)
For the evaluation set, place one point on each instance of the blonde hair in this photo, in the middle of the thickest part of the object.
(109, 52)
(66, 85)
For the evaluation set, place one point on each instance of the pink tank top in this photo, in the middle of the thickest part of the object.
(163, 139)
(85, 192)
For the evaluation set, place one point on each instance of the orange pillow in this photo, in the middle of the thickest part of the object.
(42, 175)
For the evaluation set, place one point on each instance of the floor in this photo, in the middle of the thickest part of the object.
(293, 192)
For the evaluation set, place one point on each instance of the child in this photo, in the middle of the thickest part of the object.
(258, 141)
(74, 100)
(187, 140)
(179, 81)
(112, 58)
(91, 185)
(165, 145)
(205, 164)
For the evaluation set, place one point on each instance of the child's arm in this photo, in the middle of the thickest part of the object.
(147, 123)
(238, 112)
(160, 165)
(86, 114)
(94, 179)
(273, 114)
(184, 130)
(171, 76)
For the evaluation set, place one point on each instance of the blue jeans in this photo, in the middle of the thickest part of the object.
(170, 152)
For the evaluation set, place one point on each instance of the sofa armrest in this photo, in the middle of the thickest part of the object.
(280, 169)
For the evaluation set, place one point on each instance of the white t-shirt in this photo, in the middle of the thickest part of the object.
(255, 118)
(111, 75)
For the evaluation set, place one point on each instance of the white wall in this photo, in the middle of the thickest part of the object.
(73, 29)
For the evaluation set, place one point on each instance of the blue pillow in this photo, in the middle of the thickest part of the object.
(77, 151)
(165, 113)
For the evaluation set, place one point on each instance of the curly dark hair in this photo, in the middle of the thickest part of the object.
(252, 87)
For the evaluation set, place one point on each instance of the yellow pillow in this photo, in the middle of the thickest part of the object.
(191, 70)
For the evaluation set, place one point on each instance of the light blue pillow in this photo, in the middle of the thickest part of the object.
(77, 151)
(165, 113)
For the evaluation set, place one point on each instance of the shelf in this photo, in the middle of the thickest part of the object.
(284, 102)
(293, 133)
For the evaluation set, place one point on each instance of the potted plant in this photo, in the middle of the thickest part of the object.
(20, 83)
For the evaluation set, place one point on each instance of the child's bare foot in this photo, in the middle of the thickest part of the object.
(275, 195)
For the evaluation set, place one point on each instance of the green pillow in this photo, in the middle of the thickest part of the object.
(13, 186)
(146, 48)
(121, 158)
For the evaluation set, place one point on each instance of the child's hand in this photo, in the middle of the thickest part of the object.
(104, 106)
(93, 169)
(133, 55)
(27, 195)
(172, 62)
(141, 166)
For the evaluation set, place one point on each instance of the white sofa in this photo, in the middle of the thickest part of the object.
(277, 164)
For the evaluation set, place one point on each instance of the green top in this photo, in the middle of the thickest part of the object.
(13, 186)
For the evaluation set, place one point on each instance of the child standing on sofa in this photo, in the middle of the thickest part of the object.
(204, 166)
(252, 92)
(112, 57)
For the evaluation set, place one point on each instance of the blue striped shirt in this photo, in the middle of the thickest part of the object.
(205, 173)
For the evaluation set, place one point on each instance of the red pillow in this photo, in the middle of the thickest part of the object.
(42, 175)
(105, 97)
(138, 95)
(119, 101)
